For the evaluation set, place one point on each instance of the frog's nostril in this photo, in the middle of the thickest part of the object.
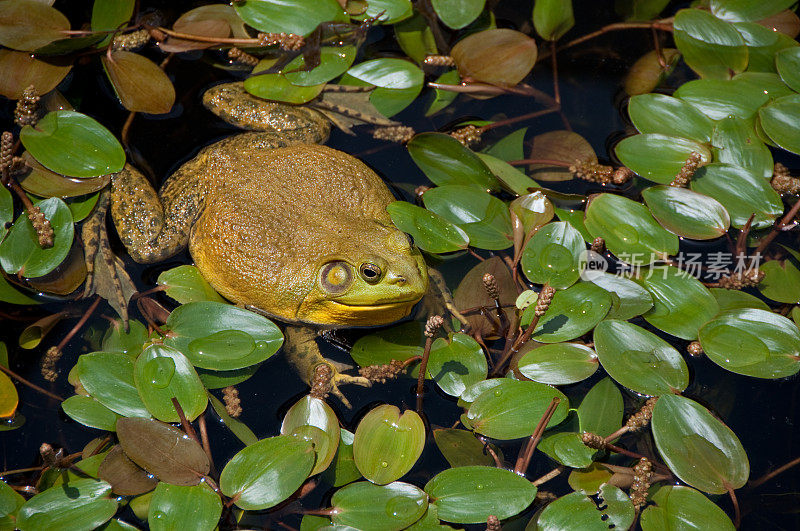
(394, 278)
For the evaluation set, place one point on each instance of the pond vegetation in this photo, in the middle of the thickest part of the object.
(583, 297)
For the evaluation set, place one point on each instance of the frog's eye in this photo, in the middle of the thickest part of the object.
(336, 277)
(370, 272)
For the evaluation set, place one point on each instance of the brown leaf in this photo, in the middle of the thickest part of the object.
(104, 285)
(40, 181)
(564, 146)
(125, 476)
(786, 22)
(471, 294)
(20, 70)
(140, 84)
(26, 25)
(647, 72)
(163, 450)
(218, 12)
(206, 28)
(66, 277)
(497, 56)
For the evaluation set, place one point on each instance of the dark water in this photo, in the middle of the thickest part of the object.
(762, 413)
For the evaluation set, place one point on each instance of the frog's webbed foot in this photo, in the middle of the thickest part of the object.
(323, 375)
(105, 272)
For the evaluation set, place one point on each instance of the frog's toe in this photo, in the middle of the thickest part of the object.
(341, 379)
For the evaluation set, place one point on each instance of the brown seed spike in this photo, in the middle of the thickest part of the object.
(233, 405)
(641, 418)
(642, 477)
(493, 523)
(592, 440)
(545, 298)
(243, 58)
(27, 110)
(687, 171)
(695, 349)
(383, 373)
(490, 285)
(434, 323)
(439, 60)
(400, 133)
(598, 245)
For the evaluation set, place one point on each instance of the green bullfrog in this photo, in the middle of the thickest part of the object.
(280, 224)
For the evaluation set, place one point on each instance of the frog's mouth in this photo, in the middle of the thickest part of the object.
(332, 313)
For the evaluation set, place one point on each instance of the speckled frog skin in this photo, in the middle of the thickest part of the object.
(276, 222)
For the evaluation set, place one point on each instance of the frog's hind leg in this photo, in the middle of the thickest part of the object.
(154, 227)
(304, 355)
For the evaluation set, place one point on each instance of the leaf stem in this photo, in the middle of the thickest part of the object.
(32, 385)
(524, 458)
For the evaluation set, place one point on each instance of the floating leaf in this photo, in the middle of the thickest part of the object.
(552, 255)
(709, 46)
(731, 299)
(511, 409)
(788, 64)
(737, 144)
(387, 11)
(140, 85)
(416, 39)
(553, 18)
(678, 507)
(391, 507)
(126, 477)
(687, 213)
(387, 444)
(753, 342)
(601, 409)
(558, 363)
(647, 72)
(389, 101)
(79, 504)
(719, 99)
(779, 120)
(213, 12)
(10, 503)
(741, 192)
(288, 16)
(638, 359)
(785, 22)
(443, 98)
(312, 411)
(218, 336)
(630, 299)
(171, 504)
(21, 253)
(40, 181)
(577, 511)
(735, 10)
(456, 364)
(629, 230)
(445, 161)
(698, 448)
(28, 71)
(496, 56)
(108, 377)
(388, 73)
(162, 450)
(185, 284)
(26, 24)
(334, 61)
(462, 448)
(343, 469)
(277, 87)
(9, 399)
(510, 147)
(662, 114)
(396, 343)
(267, 472)
(470, 494)
(430, 231)
(565, 146)
(87, 411)
(483, 217)
(109, 15)
(73, 144)
(573, 312)
(161, 374)
(457, 13)
(659, 158)
(236, 426)
(781, 280)
(470, 293)
(510, 178)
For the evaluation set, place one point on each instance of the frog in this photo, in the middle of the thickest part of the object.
(280, 224)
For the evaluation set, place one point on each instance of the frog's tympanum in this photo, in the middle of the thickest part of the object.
(278, 223)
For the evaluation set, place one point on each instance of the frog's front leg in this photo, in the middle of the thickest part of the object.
(304, 355)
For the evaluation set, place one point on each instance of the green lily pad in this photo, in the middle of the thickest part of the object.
(333, 62)
(629, 300)
(753, 342)
(659, 158)
(779, 120)
(387, 444)
(457, 363)
(396, 343)
(578, 511)
(552, 255)
(601, 410)
(732, 299)
(762, 45)
(276, 87)
(108, 378)
(681, 303)
(510, 147)
(21, 253)
(638, 359)
(79, 504)
(109, 16)
(415, 38)
(10, 503)
(735, 10)
(457, 13)
(219, 336)
(462, 448)
(741, 192)
(788, 64)
(687, 213)
(444, 160)
(483, 217)
(388, 73)
(719, 99)
(470, 494)
(343, 468)
(589, 480)
(711, 47)
(388, 11)
(665, 115)
(629, 230)
(512, 409)
(117, 339)
(781, 280)
(237, 427)
(311, 411)
(736, 143)
(430, 231)
(552, 19)
(185, 284)
(678, 507)
(364, 505)
(73, 144)
(300, 17)
(698, 448)
(267, 472)
(89, 412)
(162, 373)
(572, 313)
(171, 504)
(566, 447)
(442, 98)
(558, 363)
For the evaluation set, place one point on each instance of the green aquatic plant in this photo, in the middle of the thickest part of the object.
(531, 315)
